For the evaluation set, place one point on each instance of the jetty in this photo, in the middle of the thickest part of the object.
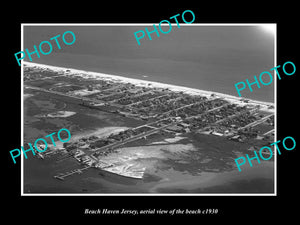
(61, 176)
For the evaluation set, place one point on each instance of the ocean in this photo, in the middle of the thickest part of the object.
(202, 57)
(211, 58)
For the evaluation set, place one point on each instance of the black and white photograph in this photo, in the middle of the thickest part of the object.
(162, 117)
(149, 112)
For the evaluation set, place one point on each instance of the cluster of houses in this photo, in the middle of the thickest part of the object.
(81, 157)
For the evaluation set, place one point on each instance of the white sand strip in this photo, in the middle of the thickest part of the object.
(138, 82)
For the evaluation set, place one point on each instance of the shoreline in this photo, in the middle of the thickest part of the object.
(139, 82)
(189, 184)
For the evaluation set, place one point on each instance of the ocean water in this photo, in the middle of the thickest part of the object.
(211, 58)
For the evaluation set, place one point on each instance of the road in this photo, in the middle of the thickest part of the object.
(253, 124)
(144, 134)
(149, 99)
(235, 115)
(269, 132)
(134, 138)
(208, 111)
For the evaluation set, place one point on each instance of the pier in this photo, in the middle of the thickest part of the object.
(62, 176)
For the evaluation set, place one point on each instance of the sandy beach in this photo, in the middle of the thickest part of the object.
(144, 83)
(213, 179)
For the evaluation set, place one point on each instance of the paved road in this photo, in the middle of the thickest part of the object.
(59, 93)
(253, 124)
(134, 138)
(208, 111)
(136, 103)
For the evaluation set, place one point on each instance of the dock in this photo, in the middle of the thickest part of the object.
(61, 176)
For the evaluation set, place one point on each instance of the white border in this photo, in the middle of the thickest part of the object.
(22, 113)
(148, 194)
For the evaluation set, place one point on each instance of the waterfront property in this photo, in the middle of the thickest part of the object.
(48, 49)
(160, 28)
(265, 151)
(42, 147)
(163, 121)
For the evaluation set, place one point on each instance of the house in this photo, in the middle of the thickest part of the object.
(90, 88)
(187, 130)
(251, 148)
